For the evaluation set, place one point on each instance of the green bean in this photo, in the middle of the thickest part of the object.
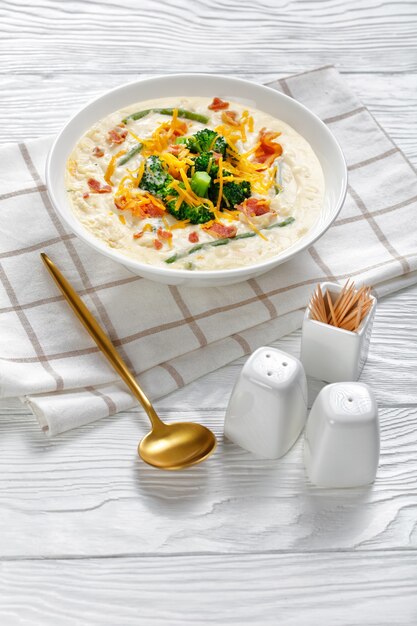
(245, 235)
(184, 113)
(220, 242)
(195, 248)
(224, 241)
(136, 116)
(132, 152)
(286, 222)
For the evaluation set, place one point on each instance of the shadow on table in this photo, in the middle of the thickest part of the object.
(236, 485)
(175, 492)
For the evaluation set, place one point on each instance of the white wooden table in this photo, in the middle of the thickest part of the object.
(89, 534)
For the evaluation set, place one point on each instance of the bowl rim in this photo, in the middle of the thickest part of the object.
(237, 272)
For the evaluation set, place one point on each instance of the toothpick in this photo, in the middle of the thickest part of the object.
(347, 311)
(330, 303)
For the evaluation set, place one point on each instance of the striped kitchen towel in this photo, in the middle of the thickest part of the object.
(172, 335)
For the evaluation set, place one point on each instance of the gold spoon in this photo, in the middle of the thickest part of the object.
(167, 446)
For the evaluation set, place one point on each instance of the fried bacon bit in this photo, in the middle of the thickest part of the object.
(221, 231)
(120, 202)
(157, 244)
(254, 207)
(138, 208)
(86, 195)
(269, 149)
(175, 149)
(164, 235)
(138, 235)
(193, 237)
(151, 210)
(115, 136)
(98, 152)
(97, 187)
(229, 117)
(216, 156)
(218, 104)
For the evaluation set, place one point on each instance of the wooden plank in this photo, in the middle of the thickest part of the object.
(376, 589)
(159, 35)
(86, 493)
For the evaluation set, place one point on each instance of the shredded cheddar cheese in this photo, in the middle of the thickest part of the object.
(175, 164)
(189, 198)
(134, 136)
(179, 224)
(163, 135)
(112, 166)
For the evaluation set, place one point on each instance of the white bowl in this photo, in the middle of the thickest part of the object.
(277, 104)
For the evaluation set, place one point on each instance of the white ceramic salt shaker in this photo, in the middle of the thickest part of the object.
(341, 446)
(268, 406)
(333, 354)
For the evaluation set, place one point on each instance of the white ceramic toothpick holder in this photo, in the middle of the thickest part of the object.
(333, 354)
(268, 406)
(341, 445)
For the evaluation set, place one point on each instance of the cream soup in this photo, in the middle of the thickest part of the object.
(199, 184)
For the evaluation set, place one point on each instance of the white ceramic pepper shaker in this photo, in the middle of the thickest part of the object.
(268, 406)
(333, 354)
(341, 446)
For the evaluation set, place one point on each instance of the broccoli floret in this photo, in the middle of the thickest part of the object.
(155, 179)
(196, 214)
(202, 141)
(220, 145)
(205, 162)
(201, 162)
(206, 140)
(233, 193)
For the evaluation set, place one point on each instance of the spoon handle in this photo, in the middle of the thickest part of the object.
(101, 339)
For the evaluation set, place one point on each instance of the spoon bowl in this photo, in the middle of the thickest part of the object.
(177, 445)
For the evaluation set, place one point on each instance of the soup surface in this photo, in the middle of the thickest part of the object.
(194, 183)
